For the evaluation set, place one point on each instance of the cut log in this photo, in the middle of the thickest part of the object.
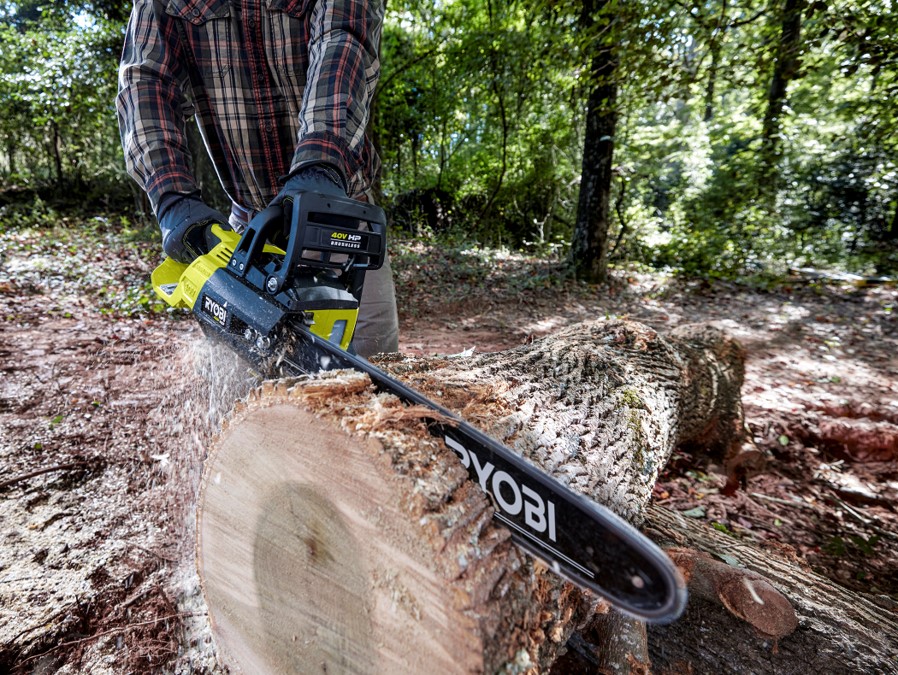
(336, 535)
(838, 631)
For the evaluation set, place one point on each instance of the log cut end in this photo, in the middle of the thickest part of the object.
(745, 594)
(336, 535)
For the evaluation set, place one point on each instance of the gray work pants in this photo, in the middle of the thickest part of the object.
(377, 328)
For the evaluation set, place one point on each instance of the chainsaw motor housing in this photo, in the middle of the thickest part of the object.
(246, 288)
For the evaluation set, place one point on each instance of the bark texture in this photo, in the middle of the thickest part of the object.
(600, 405)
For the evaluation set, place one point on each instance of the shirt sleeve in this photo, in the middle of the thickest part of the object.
(344, 67)
(151, 105)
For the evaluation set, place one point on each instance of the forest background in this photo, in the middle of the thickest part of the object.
(698, 149)
(724, 138)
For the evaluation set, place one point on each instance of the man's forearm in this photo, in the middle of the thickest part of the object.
(342, 76)
(150, 105)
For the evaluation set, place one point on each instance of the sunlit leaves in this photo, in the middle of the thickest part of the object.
(57, 81)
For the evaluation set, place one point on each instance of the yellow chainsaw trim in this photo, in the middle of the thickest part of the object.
(179, 285)
(334, 325)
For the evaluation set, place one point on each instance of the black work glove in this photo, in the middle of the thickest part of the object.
(186, 224)
(313, 178)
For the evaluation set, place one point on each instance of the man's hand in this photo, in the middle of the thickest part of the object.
(186, 224)
(315, 178)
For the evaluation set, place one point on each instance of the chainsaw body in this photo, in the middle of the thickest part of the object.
(246, 290)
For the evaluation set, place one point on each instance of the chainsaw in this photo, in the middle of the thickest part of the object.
(291, 310)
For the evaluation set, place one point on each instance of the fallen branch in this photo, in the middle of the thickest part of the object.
(744, 593)
(38, 472)
(112, 631)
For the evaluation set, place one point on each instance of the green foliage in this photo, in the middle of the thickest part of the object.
(473, 103)
(480, 125)
(58, 82)
(692, 188)
(34, 213)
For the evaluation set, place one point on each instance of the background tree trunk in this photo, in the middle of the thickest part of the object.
(589, 248)
(11, 149)
(710, 87)
(504, 124)
(785, 68)
(56, 150)
(892, 232)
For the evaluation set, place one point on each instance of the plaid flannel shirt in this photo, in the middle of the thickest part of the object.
(275, 85)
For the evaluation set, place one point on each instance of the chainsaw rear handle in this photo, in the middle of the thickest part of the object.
(251, 245)
(321, 227)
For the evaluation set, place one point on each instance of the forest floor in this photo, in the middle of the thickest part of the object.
(106, 408)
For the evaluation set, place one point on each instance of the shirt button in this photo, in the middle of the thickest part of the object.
(269, 127)
(251, 23)
(195, 12)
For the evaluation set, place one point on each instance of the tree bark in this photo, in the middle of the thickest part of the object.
(892, 231)
(503, 120)
(711, 85)
(337, 535)
(600, 405)
(11, 149)
(57, 152)
(785, 68)
(589, 247)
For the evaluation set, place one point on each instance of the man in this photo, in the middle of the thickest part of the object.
(281, 91)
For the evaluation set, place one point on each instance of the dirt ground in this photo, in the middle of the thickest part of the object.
(106, 407)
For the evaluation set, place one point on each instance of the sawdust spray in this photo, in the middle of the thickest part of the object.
(207, 380)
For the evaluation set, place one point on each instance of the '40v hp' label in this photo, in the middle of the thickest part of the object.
(346, 240)
(510, 496)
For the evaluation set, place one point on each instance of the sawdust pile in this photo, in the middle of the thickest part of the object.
(105, 426)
